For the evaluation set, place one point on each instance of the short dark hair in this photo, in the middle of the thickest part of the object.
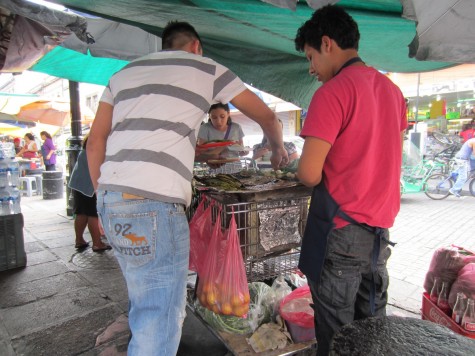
(332, 21)
(174, 33)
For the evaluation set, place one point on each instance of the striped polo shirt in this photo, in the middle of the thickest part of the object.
(159, 102)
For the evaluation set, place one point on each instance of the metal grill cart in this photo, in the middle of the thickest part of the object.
(270, 222)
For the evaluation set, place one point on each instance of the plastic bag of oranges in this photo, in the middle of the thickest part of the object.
(208, 274)
(227, 291)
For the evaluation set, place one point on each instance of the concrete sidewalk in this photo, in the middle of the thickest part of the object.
(70, 303)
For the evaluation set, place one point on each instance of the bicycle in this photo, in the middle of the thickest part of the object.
(414, 179)
(438, 184)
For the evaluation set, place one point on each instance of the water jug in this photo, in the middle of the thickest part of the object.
(13, 172)
(3, 172)
(4, 201)
(14, 200)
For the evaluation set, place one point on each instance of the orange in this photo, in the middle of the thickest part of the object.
(211, 298)
(237, 300)
(241, 310)
(226, 309)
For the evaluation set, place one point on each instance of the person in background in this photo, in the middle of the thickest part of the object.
(48, 151)
(85, 201)
(30, 149)
(220, 128)
(462, 158)
(468, 131)
(262, 150)
(17, 144)
(140, 152)
(352, 157)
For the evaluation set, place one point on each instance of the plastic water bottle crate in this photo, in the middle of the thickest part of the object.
(12, 249)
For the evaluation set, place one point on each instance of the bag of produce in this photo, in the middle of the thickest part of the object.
(260, 312)
(295, 308)
(200, 233)
(464, 283)
(234, 295)
(445, 264)
(208, 288)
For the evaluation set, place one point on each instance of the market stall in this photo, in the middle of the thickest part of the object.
(269, 212)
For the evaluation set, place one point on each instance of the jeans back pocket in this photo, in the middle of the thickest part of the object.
(133, 236)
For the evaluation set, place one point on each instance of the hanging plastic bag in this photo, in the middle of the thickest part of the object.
(200, 233)
(234, 295)
(208, 290)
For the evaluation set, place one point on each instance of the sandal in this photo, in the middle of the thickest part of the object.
(102, 248)
(81, 246)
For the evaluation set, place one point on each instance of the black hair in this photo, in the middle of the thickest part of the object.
(221, 106)
(30, 136)
(332, 21)
(175, 32)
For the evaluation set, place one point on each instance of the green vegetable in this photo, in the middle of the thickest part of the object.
(260, 312)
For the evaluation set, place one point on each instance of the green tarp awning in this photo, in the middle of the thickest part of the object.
(251, 37)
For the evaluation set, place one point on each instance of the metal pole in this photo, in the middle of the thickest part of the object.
(416, 114)
(73, 143)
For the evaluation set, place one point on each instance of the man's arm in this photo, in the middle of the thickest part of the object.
(311, 162)
(96, 143)
(253, 107)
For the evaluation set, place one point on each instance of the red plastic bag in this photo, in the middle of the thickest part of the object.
(200, 234)
(295, 308)
(234, 291)
(207, 291)
(464, 283)
(445, 264)
(223, 287)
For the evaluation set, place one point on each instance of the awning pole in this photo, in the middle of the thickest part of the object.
(74, 141)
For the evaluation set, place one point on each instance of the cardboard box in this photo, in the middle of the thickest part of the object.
(431, 312)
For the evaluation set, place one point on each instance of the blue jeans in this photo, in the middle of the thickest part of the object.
(462, 170)
(151, 242)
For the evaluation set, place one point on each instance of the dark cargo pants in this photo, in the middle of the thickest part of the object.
(342, 295)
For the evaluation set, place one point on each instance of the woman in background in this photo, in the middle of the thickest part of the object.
(85, 201)
(30, 149)
(48, 151)
(220, 128)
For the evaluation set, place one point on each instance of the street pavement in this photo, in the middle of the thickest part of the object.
(75, 303)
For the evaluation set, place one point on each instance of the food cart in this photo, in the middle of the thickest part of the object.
(270, 215)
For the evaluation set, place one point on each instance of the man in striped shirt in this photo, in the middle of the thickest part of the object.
(141, 152)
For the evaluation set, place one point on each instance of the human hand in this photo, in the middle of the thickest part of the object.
(279, 158)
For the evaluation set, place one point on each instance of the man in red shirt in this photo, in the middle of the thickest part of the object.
(352, 156)
(468, 132)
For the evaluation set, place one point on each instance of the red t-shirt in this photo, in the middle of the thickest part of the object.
(467, 134)
(361, 113)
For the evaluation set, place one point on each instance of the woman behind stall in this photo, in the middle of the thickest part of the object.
(30, 149)
(263, 151)
(48, 151)
(85, 200)
(220, 128)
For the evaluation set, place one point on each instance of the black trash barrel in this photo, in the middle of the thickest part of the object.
(53, 185)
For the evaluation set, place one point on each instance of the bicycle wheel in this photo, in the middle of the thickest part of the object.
(437, 186)
(471, 186)
(443, 138)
